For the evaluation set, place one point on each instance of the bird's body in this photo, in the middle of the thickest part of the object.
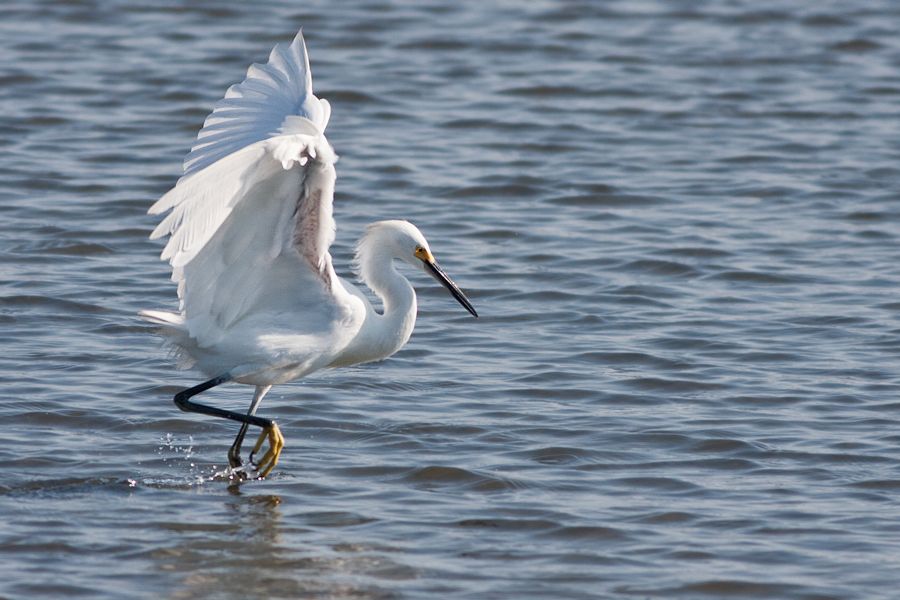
(250, 229)
(283, 336)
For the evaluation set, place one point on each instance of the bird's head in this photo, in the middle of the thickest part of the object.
(402, 240)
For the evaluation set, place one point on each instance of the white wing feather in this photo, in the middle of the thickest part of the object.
(255, 109)
(251, 221)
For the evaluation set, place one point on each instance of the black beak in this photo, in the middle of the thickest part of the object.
(438, 273)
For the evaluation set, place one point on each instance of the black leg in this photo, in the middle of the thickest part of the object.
(182, 401)
(234, 453)
(270, 430)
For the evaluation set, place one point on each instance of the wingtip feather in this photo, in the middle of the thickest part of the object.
(299, 46)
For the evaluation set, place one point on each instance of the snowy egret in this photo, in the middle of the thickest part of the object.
(250, 229)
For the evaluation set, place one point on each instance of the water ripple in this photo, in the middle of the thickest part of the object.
(678, 222)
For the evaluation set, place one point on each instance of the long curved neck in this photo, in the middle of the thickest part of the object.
(393, 327)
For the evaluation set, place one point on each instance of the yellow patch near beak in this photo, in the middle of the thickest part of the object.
(423, 254)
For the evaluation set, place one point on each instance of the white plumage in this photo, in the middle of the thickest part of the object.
(250, 226)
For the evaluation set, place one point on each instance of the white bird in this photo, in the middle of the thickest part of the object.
(249, 234)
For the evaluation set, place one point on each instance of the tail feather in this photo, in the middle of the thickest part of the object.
(172, 326)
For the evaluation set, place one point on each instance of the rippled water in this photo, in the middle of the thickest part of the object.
(679, 221)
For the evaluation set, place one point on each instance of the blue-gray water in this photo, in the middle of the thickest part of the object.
(679, 221)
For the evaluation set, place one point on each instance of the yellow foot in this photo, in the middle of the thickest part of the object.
(270, 458)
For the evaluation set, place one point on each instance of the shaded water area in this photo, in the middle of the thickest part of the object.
(678, 220)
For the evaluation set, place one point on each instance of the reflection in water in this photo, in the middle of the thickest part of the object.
(245, 551)
(240, 558)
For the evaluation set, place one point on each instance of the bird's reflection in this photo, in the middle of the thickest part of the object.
(239, 546)
(239, 553)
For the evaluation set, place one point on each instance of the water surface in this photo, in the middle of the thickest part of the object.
(678, 220)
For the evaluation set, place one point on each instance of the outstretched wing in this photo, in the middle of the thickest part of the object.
(255, 109)
(251, 221)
